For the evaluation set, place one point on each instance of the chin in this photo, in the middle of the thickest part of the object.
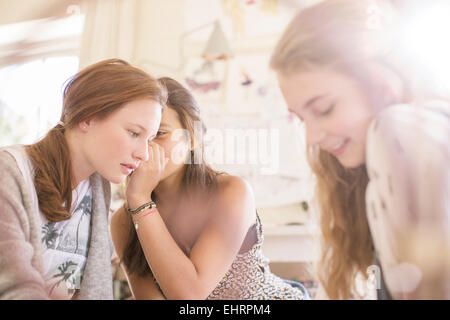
(117, 179)
(351, 163)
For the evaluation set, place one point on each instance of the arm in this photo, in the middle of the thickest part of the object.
(143, 288)
(407, 199)
(194, 277)
(19, 279)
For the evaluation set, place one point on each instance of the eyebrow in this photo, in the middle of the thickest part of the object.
(164, 125)
(142, 128)
(312, 100)
(138, 125)
(308, 104)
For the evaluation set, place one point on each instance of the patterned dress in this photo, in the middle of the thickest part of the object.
(249, 278)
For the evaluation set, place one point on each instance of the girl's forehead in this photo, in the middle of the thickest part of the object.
(300, 88)
(304, 85)
(170, 118)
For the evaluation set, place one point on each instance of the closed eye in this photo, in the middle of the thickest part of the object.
(133, 134)
(328, 111)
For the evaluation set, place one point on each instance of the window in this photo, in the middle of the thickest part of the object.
(34, 67)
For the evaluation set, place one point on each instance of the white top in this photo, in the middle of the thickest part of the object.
(65, 243)
(408, 198)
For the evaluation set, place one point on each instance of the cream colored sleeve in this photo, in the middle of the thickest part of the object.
(408, 200)
(20, 279)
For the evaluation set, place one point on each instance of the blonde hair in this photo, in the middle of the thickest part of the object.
(336, 34)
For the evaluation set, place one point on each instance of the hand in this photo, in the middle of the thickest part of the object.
(146, 177)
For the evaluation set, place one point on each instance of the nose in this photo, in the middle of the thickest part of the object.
(314, 135)
(141, 152)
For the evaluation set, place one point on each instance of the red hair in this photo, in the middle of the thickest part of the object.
(95, 91)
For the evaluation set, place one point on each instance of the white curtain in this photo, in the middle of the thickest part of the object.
(145, 33)
(109, 32)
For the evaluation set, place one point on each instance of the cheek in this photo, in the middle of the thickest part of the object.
(338, 125)
(176, 150)
(350, 123)
(165, 144)
(356, 153)
(123, 143)
(358, 131)
(114, 145)
(178, 153)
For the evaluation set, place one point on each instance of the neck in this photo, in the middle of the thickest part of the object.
(80, 166)
(169, 189)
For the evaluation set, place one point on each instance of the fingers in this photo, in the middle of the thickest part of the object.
(154, 152)
(162, 158)
(157, 155)
(150, 152)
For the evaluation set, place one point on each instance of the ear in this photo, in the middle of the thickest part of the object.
(85, 125)
(389, 88)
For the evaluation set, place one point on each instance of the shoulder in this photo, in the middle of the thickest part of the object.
(229, 183)
(429, 119)
(233, 188)
(10, 159)
(407, 162)
(11, 179)
(408, 130)
(234, 198)
(407, 153)
(14, 160)
(6, 159)
(8, 155)
(16, 191)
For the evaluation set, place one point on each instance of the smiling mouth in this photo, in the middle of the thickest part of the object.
(340, 148)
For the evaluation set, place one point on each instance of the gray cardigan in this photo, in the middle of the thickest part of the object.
(21, 271)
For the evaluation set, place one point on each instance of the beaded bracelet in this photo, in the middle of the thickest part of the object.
(148, 205)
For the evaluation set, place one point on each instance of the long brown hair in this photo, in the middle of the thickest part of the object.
(95, 91)
(198, 175)
(335, 34)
